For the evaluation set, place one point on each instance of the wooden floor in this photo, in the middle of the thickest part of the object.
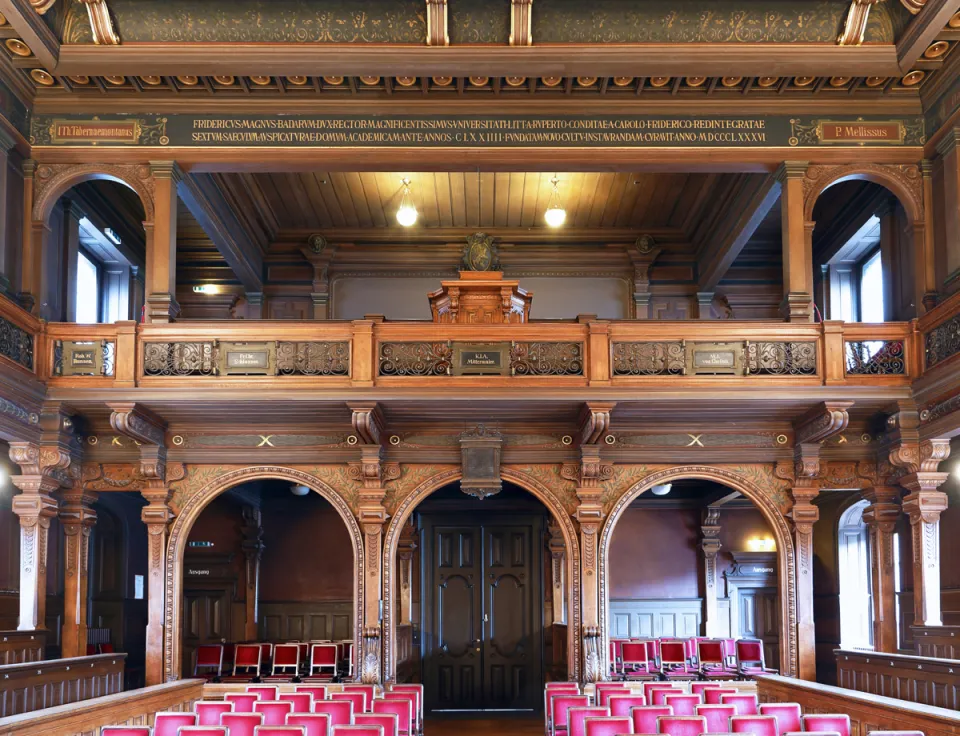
(500, 726)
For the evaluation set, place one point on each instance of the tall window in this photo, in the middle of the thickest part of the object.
(856, 606)
(871, 289)
(88, 290)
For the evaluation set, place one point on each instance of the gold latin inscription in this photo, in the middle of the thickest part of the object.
(860, 132)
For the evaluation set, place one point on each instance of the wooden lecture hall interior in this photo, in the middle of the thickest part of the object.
(480, 367)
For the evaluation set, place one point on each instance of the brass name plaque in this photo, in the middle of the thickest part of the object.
(715, 358)
(491, 359)
(81, 359)
(248, 358)
(95, 131)
(858, 131)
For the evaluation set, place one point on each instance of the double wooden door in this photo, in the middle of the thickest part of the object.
(760, 619)
(482, 612)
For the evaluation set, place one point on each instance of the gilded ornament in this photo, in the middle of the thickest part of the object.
(317, 243)
(731, 81)
(913, 78)
(874, 81)
(42, 77)
(954, 22)
(370, 81)
(334, 80)
(566, 440)
(645, 244)
(803, 81)
(188, 80)
(622, 81)
(261, 81)
(695, 81)
(352, 439)
(586, 81)
(3, 19)
(18, 47)
(782, 439)
(116, 81)
(480, 253)
(79, 79)
(224, 80)
(395, 439)
(936, 50)
(297, 80)
(442, 81)
(479, 81)
(659, 81)
(767, 81)
(839, 81)
(551, 81)
(406, 81)
(177, 440)
(153, 80)
(515, 81)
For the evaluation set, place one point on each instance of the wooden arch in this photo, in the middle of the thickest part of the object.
(177, 544)
(52, 181)
(905, 182)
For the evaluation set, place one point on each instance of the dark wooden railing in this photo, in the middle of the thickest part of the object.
(21, 646)
(131, 708)
(922, 680)
(942, 642)
(867, 712)
(34, 685)
(407, 656)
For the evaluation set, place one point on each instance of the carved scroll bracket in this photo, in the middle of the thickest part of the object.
(437, 26)
(521, 22)
(101, 25)
(856, 24)
(319, 253)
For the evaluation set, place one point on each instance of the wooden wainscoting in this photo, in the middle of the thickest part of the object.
(917, 679)
(131, 708)
(868, 713)
(295, 621)
(408, 654)
(656, 617)
(21, 646)
(34, 685)
(937, 641)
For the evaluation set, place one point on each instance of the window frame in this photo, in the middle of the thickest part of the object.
(861, 267)
(98, 266)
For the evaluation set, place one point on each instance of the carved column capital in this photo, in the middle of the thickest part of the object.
(822, 422)
(925, 505)
(437, 32)
(521, 22)
(138, 423)
(884, 509)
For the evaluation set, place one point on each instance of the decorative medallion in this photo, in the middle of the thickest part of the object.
(480, 253)
(317, 243)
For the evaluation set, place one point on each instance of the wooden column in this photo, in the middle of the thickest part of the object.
(710, 544)
(156, 515)
(319, 252)
(949, 222)
(252, 547)
(558, 572)
(7, 144)
(34, 240)
(797, 304)
(926, 263)
(161, 235)
(78, 519)
(405, 549)
(881, 519)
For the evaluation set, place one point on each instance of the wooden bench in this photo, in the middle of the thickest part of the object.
(923, 680)
(21, 646)
(31, 686)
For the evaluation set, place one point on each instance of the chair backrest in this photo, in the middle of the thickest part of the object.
(788, 715)
(168, 723)
(673, 652)
(606, 691)
(718, 717)
(645, 717)
(302, 702)
(241, 724)
(209, 656)
(278, 731)
(710, 651)
(744, 703)
(304, 650)
(242, 702)
(839, 722)
(620, 705)
(683, 705)
(323, 657)
(274, 711)
(209, 712)
(633, 653)
(577, 716)
(561, 703)
(125, 731)
(658, 695)
(682, 725)
(389, 721)
(559, 685)
(411, 698)
(266, 651)
(607, 726)
(402, 707)
(370, 729)
(697, 688)
(368, 693)
(749, 651)
(649, 687)
(204, 731)
(266, 692)
(340, 711)
(286, 656)
(713, 695)
(358, 699)
(319, 692)
(313, 724)
(417, 689)
(247, 656)
(757, 725)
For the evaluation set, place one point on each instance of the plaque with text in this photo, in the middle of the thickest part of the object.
(491, 359)
(80, 359)
(715, 358)
(248, 358)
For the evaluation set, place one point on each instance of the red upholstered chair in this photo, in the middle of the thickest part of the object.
(105, 648)
(816, 733)
(756, 725)
(577, 716)
(411, 687)
(616, 657)
(788, 715)
(209, 711)
(168, 723)
(266, 692)
(718, 717)
(286, 660)
(304, 652)
(413, 699)
(323, 661)
(713, 695)
(712, 660)
(229, 653)
(266, 649)
(403, 709)
(645, 717)
(125, 731)
(340, 711)
(389, 721)
(605, 690)
(557, 688)
(559, 705)
(319, 692)
(203, 731)
(302, 702)
(346, 657)
(659, 695)
(278, 731)
(241, 724)
(368, 692)
(313, 724)
(636, 661)
(355, 730)
(274, 711)
(242, 702)
(682, 725)
(649, 687)
(208, 660)
(356, 698)
(620, 705)
(897, 733)
(675, 660)
(683, 705)
(607, 726)
(750, 658)
(697, 688)
(744, 703)
(248, 659)
(837, 722)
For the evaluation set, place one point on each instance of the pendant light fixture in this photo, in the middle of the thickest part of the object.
(407, 213)
(555, 215)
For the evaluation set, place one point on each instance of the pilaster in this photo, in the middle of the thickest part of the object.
(77, 518)
(161, 239)
(558, 572)
(405, 548)
(710, 544)
(881, 519)
(797, 305)
(7, 144)
(252, 547)
(949, 222)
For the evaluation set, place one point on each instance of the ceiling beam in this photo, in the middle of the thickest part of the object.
(33, 30)
(607, 60)
(922, 31)
(720, 245)
(205, 197)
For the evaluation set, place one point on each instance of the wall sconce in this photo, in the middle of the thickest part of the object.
(761, 545)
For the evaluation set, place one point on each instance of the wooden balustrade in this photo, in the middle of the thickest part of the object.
(86, 718)
(917, 679)
(21, 646)
(942, 642)
(30, 686)
(867, 712)
(18, 337)
(407, 656)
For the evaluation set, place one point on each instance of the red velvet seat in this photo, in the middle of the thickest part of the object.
(319, 692)
(313, 724)
(248, 658)
(168, 723)
(697, 688)
(355, 730)
(682, 725)
(204, 731)
(645, 717)
(266, 692)
(286, 660)
(209, 711)
(125, 731)
(837, 722)
(756, 725)
(577, 716)
(323, 661)
(556, 688)
(356, 698)
(814, 733)
(750, 660)
(413, 699)
(616, 657)
(368, 692)
(241, 724)
(713, 663)
(242, 702)
(416, 688)
(302, 702)
(346, 657)
(608, 726)
(560, 704)
(788, 715)
(278, 731)
(744, 703)
(340, 711)
(718, 717)
(389, 721)
(712, 695)
(274, 711)
(637, 661)
(208, 660)
(402, 708)
(659, 695)
(604, 690)
(675, 660)
(649, 687)
(683, 705)
(620, 705)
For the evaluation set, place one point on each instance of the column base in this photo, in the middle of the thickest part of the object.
(27, 301)
(797, 307)
(162, 308)
(705, 305)
(641, 304)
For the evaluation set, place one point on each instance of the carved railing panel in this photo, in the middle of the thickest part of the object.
(875, 358)
(203, 358)
(781, 358)
(649, 358)
(415, 359)
(546, 359)
(942, 342)
(180, 358)
(313, 358)
(84, 358)
(16, 343)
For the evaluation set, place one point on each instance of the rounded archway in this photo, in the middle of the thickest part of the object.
(177, 546)
(786, 578)
(402, 514)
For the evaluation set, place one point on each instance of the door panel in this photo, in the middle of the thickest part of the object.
(204, 622)
(760, 619)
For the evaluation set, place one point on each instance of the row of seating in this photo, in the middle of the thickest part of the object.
(687, 659)
(322, 661)
(310, 710)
